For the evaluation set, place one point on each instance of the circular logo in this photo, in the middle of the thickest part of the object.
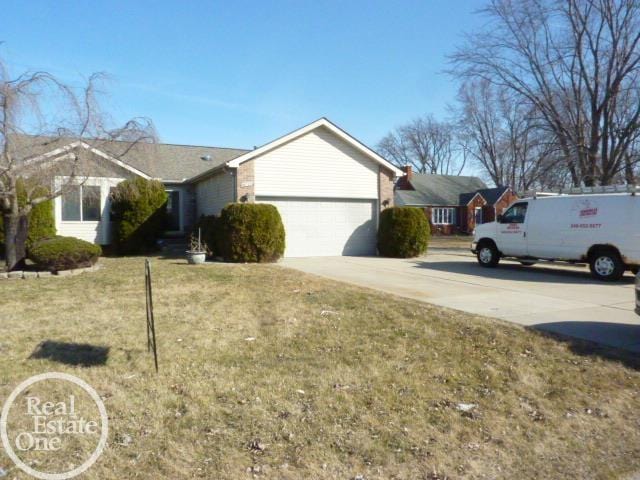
(40, 412)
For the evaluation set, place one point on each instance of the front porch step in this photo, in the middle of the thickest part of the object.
(174, 245)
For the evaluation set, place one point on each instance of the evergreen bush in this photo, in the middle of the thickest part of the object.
(403, 232)
(210, 234)
(63, 253)
(139, 214)
(42, 223)
(251, 232)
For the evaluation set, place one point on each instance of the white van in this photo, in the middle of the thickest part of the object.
(600, 229)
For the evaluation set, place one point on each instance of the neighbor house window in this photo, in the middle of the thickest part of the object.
(443, 216)
(81, 203)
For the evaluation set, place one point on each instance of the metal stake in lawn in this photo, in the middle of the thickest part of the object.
(151, 324)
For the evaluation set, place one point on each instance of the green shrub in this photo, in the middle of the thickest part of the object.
(210, 234)
(42, 223)
(139, 214)
(63, 253)
(251, 232)
(403, 232)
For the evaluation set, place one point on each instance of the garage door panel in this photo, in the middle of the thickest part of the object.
(326, 227)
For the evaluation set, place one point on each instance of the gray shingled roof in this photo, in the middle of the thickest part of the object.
(465, 198)
(440, 190)
(178, 162)
(410, 197)
(158, 160)
(492, 195)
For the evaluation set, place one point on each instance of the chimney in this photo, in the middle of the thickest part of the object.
(404, 182)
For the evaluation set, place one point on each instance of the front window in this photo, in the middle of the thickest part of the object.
(81, 203)
(515, 214)
(71, 204)
(90, 203)
(443, 216)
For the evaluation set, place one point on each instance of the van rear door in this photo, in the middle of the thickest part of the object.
(511, 235)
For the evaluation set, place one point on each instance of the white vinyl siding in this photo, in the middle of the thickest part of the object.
(213, 193)
(95, 231)
(318, 164)
(317, 227)
(443, 216)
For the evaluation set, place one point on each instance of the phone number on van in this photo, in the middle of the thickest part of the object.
(586, 225)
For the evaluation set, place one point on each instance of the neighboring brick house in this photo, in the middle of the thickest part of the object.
(498, 199)
(453, 203)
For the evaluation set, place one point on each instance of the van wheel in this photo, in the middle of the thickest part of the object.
(634, 270)
(527, 263)
(488, 255)
(606, 265)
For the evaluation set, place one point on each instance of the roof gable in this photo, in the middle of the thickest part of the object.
(467, 198)
(64, 151)
(492, 195)
(167, 162)
(186, 163)
(322, 122)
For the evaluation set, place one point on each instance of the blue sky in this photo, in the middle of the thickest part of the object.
(240, 73)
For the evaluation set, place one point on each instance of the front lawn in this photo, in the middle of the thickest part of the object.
(266, 372)
(453, 242)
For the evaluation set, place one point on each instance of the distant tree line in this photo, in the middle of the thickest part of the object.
(549, 97)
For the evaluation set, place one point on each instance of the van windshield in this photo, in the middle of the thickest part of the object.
(516, 213)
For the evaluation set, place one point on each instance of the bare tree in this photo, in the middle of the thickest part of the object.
(504, 137)
(48, 135)
(577, 62)
(430, 146)
(632, 163)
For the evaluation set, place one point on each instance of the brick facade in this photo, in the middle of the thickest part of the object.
(404, 182)
(465, 217)
(469, 219)
(245, 182)
(501, 205)
(385, 187)
(446, 229)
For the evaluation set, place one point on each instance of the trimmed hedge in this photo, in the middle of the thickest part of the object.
(42, 223)
(251, 232)
(210, 234)
(63, 253)
(403, 232)
(139, 214)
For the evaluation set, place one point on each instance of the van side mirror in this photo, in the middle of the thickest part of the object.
(499, 218)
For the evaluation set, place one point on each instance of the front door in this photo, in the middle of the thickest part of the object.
(478, 215)
(512, 230)
(173, 211)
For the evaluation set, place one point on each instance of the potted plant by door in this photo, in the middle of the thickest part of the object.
(197, 252)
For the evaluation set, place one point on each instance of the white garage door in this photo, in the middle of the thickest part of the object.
(320, 227)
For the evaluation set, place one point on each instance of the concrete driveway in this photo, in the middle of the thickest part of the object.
(558, 298)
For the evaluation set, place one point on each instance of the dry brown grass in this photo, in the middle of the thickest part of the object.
(369, 388)
(454, 242)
